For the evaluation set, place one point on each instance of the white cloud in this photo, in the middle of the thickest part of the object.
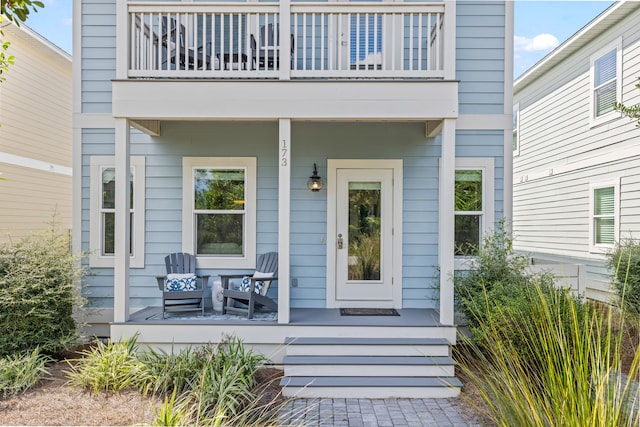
(538, 43)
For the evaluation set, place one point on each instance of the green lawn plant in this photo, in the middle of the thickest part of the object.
(577, 379)
(109, 367)
(38, 294)
(19, 373)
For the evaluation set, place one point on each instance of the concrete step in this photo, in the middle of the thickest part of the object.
(371, 387)
(369, 366)
(367, 346)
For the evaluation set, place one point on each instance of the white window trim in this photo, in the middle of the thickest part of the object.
(96, 259)
(595, 121)
(593, 247)
(248, 261)
(487, 165)
(516, 110)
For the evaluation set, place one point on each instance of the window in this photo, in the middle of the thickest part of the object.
(102, 211)
(474, 202)
(219, 211)
(604, 216)
(605, 82)
(516, 129)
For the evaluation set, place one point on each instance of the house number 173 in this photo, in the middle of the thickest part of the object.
(284, 153)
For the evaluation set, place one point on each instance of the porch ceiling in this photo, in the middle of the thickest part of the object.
(270, 100)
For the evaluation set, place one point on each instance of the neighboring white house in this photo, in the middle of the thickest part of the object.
(397, 103)
(577, 161)
(35, 136)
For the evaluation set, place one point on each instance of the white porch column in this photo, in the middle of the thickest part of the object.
(285, 41)
(446, 220)
(122, 222)
(284, 218)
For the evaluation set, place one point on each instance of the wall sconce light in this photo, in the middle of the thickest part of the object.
(315, 182)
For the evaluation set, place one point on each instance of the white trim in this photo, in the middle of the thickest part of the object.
(96, 259)
(449, 60)
(26, 162)
(332, 166)
(248, 259)
(593, 120)
(593, 247)
(507, 192)
(487, 166)
(484, 121)
(121, 273)
(516, 118)
(284, 218)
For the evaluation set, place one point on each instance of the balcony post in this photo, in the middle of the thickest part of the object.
(450, 40)
(285, 40)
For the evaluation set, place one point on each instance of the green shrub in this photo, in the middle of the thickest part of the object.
(624, 261)
(498, 282)
(578, 381)
(111, 367)
(19, 373)
(37, 294)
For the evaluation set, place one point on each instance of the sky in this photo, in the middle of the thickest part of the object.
(539, 26)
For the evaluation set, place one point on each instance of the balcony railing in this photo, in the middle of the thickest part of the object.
(323, 40)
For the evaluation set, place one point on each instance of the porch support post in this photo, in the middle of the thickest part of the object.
(285, 40)
(284, 218)
(446, 220)
(122, 222)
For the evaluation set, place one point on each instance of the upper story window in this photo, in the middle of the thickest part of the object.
(605, 82)
(103, 211)
(474, 204)
(219, 211)
(604, 227)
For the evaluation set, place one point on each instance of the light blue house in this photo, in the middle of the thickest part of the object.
(400, 105)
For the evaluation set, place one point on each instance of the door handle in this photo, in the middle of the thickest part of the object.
(340, 244)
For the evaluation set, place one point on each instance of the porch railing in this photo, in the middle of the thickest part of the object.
(326, 40)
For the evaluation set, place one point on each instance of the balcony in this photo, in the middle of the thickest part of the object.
(296, 41)
(303, 61)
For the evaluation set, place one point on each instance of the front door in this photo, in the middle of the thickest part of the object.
(364, 237)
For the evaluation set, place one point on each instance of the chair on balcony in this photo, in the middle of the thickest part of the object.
(252, 291)
(180, 288)
(178, 54)
(267, 55)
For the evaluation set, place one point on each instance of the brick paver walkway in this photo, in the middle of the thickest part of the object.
(374, 412)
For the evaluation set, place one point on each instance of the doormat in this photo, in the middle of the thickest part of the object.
(369, 312)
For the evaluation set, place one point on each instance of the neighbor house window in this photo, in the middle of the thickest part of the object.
(473, 204)
(219, 211)
(103, 209)
(604, 216)
(605, 82)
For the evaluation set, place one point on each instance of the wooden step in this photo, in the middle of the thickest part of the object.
(369, 366)
(367, 346)
(371, 387)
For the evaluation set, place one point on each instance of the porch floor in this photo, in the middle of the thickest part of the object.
(409, 317)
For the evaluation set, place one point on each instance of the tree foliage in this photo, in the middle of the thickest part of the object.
(630, 111)
(16, 11)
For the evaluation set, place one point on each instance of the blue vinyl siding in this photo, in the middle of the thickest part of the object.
(98, 35)
(480, 56)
